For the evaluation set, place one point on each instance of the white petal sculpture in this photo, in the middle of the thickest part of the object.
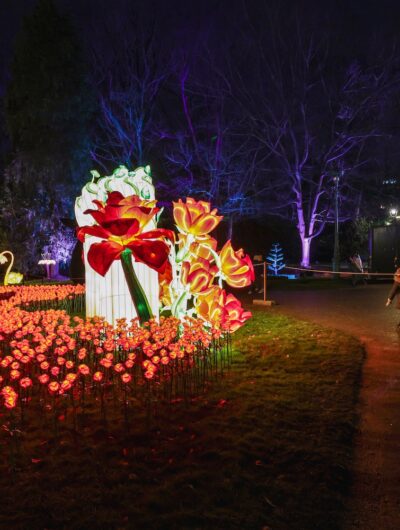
(109, 296)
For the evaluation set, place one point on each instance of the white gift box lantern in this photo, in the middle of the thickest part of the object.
(109, 296)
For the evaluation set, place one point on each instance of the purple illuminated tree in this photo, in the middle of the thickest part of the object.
(173, 105)
(317, 117)
(208, 152)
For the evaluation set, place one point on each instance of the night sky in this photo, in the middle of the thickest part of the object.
(356, 22)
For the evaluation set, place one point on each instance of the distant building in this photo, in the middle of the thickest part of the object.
(390, 198)
(384, 246)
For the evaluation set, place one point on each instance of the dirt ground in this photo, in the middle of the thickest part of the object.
(361, 311)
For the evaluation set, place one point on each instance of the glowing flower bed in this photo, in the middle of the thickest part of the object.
(62, 361)
(56, 359)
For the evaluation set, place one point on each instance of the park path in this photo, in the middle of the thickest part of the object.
(361, 311)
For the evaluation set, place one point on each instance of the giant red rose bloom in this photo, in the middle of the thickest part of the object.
(120, 223)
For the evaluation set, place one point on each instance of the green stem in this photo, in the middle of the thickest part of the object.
(175, 309)
(138, 296)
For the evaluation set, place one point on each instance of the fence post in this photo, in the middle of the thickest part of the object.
(265, 281)
(264, 301)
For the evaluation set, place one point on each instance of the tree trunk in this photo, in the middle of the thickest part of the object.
(305, 251)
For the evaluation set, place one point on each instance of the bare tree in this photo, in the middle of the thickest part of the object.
(316, 117)
(207, 150)
(129, 69)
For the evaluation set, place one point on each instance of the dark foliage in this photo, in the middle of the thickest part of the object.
(48, 108)
(47, 104)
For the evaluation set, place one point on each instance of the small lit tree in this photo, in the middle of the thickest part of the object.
(275, 259)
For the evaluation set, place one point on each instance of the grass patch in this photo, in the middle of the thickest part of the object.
(270, 446)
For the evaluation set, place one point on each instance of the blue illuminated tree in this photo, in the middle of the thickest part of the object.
(130, 64)
(275, 259)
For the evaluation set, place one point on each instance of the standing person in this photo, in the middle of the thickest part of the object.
(357, 267)
(395, 290)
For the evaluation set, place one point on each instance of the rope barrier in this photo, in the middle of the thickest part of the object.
(303, 269)
(347, 273)
(343, 272)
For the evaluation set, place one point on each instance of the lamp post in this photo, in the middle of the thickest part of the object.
(336, 247)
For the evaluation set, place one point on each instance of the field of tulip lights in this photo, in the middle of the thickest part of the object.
(133, 427)
(59, 364)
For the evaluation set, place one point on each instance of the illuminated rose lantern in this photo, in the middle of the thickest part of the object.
(193, 283)
(117, 219)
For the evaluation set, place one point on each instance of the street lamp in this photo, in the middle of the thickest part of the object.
(336, 247)
(393, 212)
